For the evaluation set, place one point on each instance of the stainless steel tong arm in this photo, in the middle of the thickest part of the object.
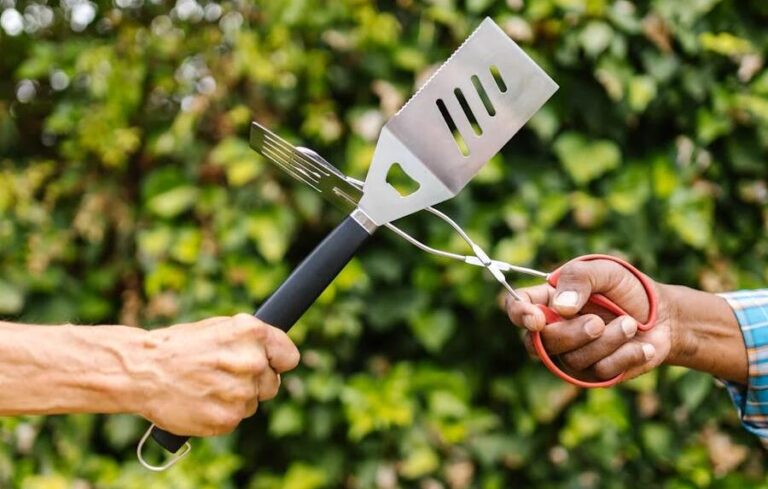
(480, 257)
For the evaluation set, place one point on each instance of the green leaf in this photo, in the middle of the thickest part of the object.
(604, 411)
(303, 476)
(447, 404)
(419, 462)
(545, 394)
(545, 123)
(272, 231)
(710, 126)
(186, 249)
(433, 328)
(658, 440)
(693, 387)
(691, 215)
(11, 298)
(725, 43)
(630, 190)
(585, 160)
(122, 429)
(596, 37)
(493, 448)
(39, 62)
(377, 404)
(642, 91)
(242, 164)
(286, 419)
(520, 249)
(173, 202)
(665, 179)
(647, 382)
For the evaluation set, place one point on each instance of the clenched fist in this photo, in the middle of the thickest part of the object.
(203, 378)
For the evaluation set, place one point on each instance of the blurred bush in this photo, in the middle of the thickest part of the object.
(128, 194)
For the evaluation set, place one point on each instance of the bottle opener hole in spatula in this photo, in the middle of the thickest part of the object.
(465, 113)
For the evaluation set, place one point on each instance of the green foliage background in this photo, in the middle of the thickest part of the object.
(128, 194)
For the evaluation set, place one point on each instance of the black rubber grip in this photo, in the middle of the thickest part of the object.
(299, 291)
(289, 302)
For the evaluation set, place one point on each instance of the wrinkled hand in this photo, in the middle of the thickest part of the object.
(592, 343)
(209, 375)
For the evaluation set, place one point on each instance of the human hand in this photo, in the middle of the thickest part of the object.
(205, 377)
(592, 343)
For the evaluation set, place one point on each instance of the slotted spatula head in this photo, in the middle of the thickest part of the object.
(462, 116)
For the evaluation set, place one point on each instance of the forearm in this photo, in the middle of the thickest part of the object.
(705, 333)
(71, 369)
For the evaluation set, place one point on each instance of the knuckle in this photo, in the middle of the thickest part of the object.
(258, 330)
(605, 370)
(225, 420)
(613, 268)
(588, 318)
(249, 362)
(294, 357)
(252, 408)
(221, 360)
(575, 360)
(270, 391)
(573, 272)
(243, 320)
(244, 392)
(637, 356)
(249, 324)
(259, 363)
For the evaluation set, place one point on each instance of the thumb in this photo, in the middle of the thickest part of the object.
(577, 280)
(281, 352)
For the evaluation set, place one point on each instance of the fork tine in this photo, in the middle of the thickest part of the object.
(308, 164)
(288, 168)
(303, 159)
(289, 158)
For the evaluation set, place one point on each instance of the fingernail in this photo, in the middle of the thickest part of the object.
(593, 328)
(568, 298)
(629, 326)
(648, 351)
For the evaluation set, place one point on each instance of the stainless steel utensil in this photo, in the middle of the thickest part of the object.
(473, 104)
(307, 166)
(462, 116)
(344, 192)
(300, 158)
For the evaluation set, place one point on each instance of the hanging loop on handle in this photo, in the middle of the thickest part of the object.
(599, 300)
(185, 449)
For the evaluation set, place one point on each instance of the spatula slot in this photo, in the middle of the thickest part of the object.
(398, 179)
(483, 95)
(462, 145)
(468, 111)
(498, 79)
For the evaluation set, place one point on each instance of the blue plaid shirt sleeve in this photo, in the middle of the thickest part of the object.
(751, 400)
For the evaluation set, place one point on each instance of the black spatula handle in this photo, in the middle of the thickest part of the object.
(299, 291)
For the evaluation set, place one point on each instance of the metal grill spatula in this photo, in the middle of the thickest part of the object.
(473, 104)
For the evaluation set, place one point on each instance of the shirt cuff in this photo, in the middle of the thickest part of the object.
(751, 400)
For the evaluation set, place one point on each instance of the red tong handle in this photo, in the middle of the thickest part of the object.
(603, 302)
